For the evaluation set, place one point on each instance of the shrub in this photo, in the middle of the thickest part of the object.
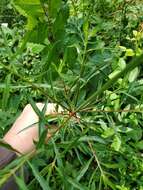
(87, 57)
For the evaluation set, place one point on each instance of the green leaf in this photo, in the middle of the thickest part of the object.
(91, 138)
(35, 108)
(92, 99)
(58, 156)
(6, 92)
(122, 187)
(139, 145)
(86, 30)
(122, 63)
(40, 114)
(133, 74)
(116, 144)
(31, 9)
(84, 170)
(108, 132)
(135, 133)
(107, 182)
(75, 184)
(113, 166)
(129, 52)
(42, 138)
(20, 183)
(70, 56)
(39, 178)
(54, 7)
(59, 24)
(35, 48)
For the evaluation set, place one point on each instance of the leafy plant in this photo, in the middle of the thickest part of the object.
(87, 57)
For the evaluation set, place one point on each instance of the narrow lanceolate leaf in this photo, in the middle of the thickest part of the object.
(58, 157)
(6, 92)
(107, 182)
(39, 178)
(20, 183)
(76, 184)
(40, 114)
(84, 169)
(91, 100)
(42, 138)
(35, 108)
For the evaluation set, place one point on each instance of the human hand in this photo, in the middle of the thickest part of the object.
(22, 140)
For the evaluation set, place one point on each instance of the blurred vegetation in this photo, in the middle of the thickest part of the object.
(85, 55)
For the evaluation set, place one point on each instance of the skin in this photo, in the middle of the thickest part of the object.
(23, 141)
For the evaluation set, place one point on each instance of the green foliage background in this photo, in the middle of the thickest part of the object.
(85, 55)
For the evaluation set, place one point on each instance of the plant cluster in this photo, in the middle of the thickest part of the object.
(86, 56)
